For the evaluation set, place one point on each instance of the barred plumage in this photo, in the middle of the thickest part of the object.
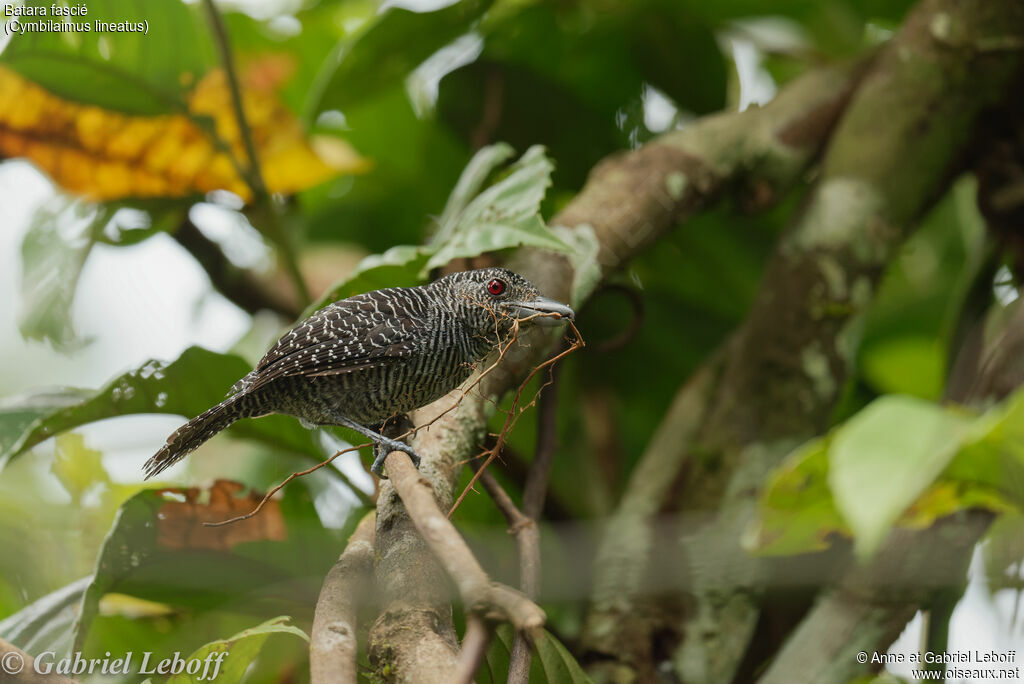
(368, 359)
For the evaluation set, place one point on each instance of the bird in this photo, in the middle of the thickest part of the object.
(364, 362)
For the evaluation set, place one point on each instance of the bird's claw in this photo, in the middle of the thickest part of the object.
(381, 451)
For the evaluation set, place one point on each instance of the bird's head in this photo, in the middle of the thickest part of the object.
(495, 297)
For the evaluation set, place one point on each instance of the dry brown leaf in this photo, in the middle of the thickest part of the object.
(181, 522)
(106, 155)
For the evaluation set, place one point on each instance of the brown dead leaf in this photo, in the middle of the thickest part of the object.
(181, 522)
(106, 155)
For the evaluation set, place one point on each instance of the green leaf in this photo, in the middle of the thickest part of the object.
(1003, 549)
(912, 325)
(77, 466)
(912, 365)
(886, 456)
(584, 249)
(242, 650)
(132, 72)
(189, 385)
(56, 247)
(796, 513)
(46, 623)
(53, 253)
(992, 457)
(18, 415)
(473, 177)
(158, 550)
(551, 663)
(557, 664)
(507, 214)
(387, 50)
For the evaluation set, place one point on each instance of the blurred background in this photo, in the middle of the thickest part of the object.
(143, 268)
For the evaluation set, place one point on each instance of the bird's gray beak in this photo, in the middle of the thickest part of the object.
(553, 312)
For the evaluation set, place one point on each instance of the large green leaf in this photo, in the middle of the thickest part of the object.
(240, 651)
(19, 415)
(886, 456)
(187, 386)
(386, 51)
(507, 214)
(159, 551)
(992, 456)
(900, 461)
(46, 624)
(586, 269)
(134, 72)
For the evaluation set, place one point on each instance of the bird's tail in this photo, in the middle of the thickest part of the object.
(195, 432)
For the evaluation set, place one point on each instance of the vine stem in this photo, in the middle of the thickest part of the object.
(253, 174)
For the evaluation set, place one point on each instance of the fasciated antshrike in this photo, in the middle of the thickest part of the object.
(369, 359)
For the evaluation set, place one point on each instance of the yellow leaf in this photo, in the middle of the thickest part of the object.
(106, 155)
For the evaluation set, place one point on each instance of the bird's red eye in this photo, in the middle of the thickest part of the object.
(496, 287)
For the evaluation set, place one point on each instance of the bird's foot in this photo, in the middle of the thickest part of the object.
(385, 446)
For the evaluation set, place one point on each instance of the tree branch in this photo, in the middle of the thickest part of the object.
(333, 644)
(474, 649)
(796, 349)
(617, 628)
(629, 201)
(527, 536)
(240, 286)
(536, 487)
(479, 594)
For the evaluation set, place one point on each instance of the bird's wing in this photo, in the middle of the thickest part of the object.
(356, 333)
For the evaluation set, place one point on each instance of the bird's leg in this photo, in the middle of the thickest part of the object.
(382, 446)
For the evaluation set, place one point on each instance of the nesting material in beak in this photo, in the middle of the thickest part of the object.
(554, 312)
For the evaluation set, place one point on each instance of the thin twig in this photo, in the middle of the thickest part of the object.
(534, 494)
(527, 536)
(536, 487)
(515, 411)
(479, 594)
(254, 175)
(278, 487)
(474, 648)
(525, 531)
(333, 643)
